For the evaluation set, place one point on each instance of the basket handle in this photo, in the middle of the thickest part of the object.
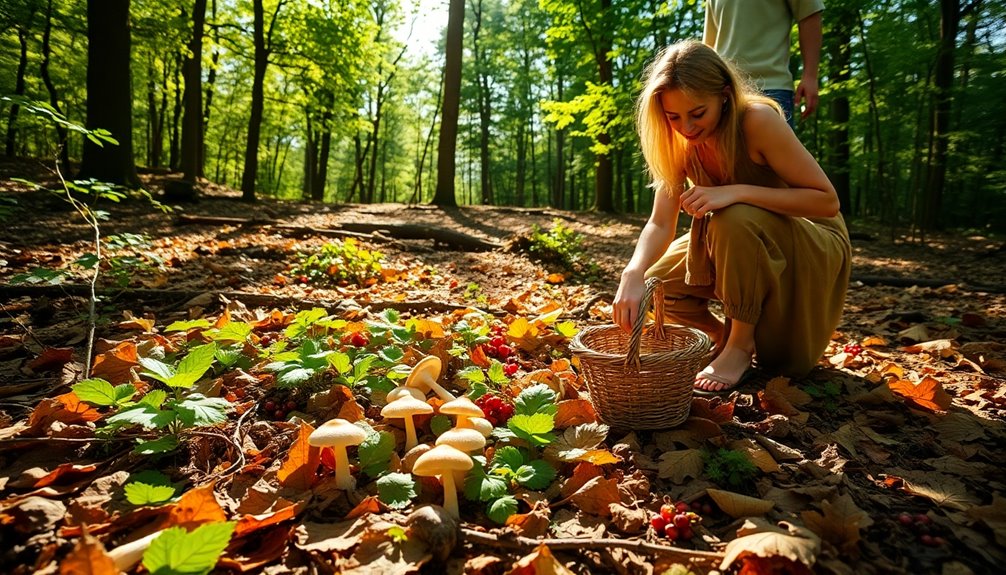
(654, 293)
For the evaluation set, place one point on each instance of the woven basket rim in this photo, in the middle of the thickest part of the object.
(696, 348)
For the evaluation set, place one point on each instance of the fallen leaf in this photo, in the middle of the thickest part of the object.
(942, 348)
(761, 458)
(739, 506)
(533, 524)
(757, 538)
(628, 519)
(839, 523)
(196, 507)
(993, 516)
(299, 469)
(251, 523)
(596, 496)
(370, 504)
(116, 365)
(539, 562)
(63, 471)
(332, 537)
(582, 473)
(680, 464)
(574, 412)
(917, 332)
(88, 557)
(51, 358)
(715, 409)
(927, 394)
(795, 396)
(378, 554)
(943, 490)
(959, 427)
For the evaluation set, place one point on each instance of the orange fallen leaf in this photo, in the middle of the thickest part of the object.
(927, 394)
(714, 409)
(839, 523)
(540, 562)
(299, 470)
(574, 412)
(115, 366)
(88, 556)
(196, 507)
(596, 496)
(250, 523)
(63, 471)
(51, 358)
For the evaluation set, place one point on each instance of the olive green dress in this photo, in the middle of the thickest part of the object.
(786, 275)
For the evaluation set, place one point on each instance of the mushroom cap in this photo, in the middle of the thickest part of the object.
(403, 390)
(406, 406)
(462, 406)
(427, 368)
(442, 459)
(337, 432)
(466, 440)
(482, 425)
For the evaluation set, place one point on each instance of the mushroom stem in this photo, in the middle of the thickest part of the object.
(343, 478)
(439, 390)
(410, 433)
(129, 554)
(450, 494)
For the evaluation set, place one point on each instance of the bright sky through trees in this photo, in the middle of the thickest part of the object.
(430, 19)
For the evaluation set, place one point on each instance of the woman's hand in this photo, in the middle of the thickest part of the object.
(697, 201)
(625, 308)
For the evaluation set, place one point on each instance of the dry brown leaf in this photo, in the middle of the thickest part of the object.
(539, 562)
(63, 471)
(839, 523)
(596, 496)
(251, 523)
(873, 341)
(927, 394)
(88, 557)
(628, 519)
(51, 358)
(582, 473)
(761, 458)
(116, 365)
(758, 538)
(943, 490)
(264, 549)
(796, 396)
(332, 537)
(739, 506)
(917, 332)
(715, 409)
(196, 507)
(532, 524)
(300, 469)
(942, 348)
(378, 554)
(574, 412)
(993, 516)
(677, 465)
(959, 427)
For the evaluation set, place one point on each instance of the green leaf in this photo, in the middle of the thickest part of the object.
(100, 392)
(392, 354)
(566, 329)
(477, 390)
(496, 373)
(195, 364)
(142, 414)
(375, 452)
(340, 361)
(139, 493)
(480, 486)
(473, 373)
(535, 429)
(397, 534)
(187, 325)
(294, 377)
(501, 509)
(154, 398)
(177, 552)
(439, 424)
(156, 369)
(362, 367)
(508, 456)
(303, 321)
(536, 399)
(537, 474)
(202, 410)
(234, 331)
(396, 490)
(87, 261)
(165, 444)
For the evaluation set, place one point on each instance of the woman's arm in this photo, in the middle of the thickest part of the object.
(653, 241)
(772, 142)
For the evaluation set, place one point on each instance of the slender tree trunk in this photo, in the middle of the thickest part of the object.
(321, 167)
(452, 102)
(192, 120)
(211, 80)
(558, 191)
(109, 97)
(257, 105)
(61, 132)
(484, 103)
(176, 116)
(19, 87)
(840, 108)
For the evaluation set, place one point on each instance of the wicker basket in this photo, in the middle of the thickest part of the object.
(642, 381)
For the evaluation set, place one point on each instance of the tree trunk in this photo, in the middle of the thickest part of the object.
(604, 176)
(250, 173)
(192, 119)
(484, 103)
(559, 181)
(840, 108)
(452, 101)
(176, 115)
(22, 65)
(950, 14)
(61, 132)
(211, 81)
(109, 97)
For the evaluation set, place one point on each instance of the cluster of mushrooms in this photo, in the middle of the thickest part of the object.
(450, 459)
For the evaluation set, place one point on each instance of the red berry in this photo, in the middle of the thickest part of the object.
(939, 541)
(359, 340)
(681, 506)
(853, 349)
(696, 506)
(491, 351)
(658, 523)
(291, 405)
(265, 339)
(269, 405)
(926, 540)
(510, 369)
(707, 509)
(504, 350)
(923, 519)
(240, 393)
(686, 533)
(681, 521)
(906, 519)
(303, 279)
(667, 511)
(671, 532)
(497, 341)
(279, 414)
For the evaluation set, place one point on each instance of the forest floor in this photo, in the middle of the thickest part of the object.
(886, 459)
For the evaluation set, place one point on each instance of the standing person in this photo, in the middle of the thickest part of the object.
(767, 238)
(755, 35)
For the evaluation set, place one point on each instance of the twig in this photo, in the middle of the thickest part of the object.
(704, 558)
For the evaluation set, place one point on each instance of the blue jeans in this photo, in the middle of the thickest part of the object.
(785, 99)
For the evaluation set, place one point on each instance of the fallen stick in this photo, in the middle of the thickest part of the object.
(706, 559)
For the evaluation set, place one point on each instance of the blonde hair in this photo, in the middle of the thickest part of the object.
(698, 71)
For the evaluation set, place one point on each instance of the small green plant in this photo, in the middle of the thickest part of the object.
(473, 292)
(827, 392)
(177, 551)
(340, 262)
(729, 468)
(562, 245)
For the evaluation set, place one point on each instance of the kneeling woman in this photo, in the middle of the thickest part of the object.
(766, 239)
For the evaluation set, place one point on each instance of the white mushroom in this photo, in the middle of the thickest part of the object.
(424, 377)
(406, 407)
(129, 554)
(463, 408)
(339, 434)
(480, 424)
(443, 461)
(404, 390)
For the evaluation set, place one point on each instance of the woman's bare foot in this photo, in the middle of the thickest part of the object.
(725, 371)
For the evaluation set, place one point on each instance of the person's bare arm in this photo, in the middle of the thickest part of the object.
(810, 35)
